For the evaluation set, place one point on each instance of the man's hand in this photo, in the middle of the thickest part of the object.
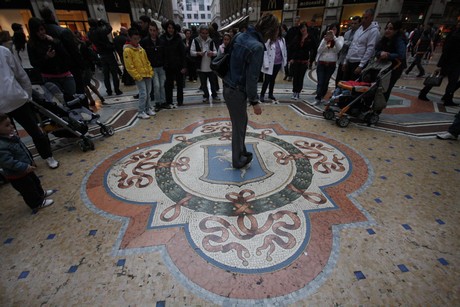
(358, 70)
(257, 109)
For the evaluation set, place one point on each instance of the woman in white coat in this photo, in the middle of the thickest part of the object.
(275, 58)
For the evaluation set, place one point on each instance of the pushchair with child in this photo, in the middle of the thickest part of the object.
(67, 119)
(362, 99)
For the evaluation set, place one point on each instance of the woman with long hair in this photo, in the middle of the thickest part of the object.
(392, 47)
(275, 58)
(326, 58)
(298, 56)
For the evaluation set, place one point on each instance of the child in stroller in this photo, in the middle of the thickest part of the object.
(66, 119)
(363, 99)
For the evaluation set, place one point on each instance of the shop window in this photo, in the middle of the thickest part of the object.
(74, 20)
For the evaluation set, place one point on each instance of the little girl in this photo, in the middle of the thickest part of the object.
(18, 166)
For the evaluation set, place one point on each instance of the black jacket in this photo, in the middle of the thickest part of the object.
(38, 59)
(68, 41)
(155, 51)
(98, 36)
(174, 52)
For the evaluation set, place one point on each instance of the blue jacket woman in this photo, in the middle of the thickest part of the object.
(392, 46)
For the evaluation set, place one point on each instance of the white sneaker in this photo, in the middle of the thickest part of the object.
(52, 163)
(151, 112)
(45, 203)
(294, 96)
(446, 136)
(48, 193)
(143, 115)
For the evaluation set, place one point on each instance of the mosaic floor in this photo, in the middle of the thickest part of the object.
(325, 216)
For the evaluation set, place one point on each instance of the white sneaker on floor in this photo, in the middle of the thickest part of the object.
(48, 193)
(446, 136)
(45, 203)
(52, 163)
(151, 112)
(143, 115)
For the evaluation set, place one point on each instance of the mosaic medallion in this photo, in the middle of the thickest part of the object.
(271, 221)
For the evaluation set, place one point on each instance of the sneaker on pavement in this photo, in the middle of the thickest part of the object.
(143, 115)
(151, 112)
(294, 96)
(205, 100)
(215, 98)
(450, 104)
(118, 92)
(262, 98)
(45, 203)
(136, 96)
(48, 193)
(52, 163)
(273, 99)
(317, 102)
(446, 136)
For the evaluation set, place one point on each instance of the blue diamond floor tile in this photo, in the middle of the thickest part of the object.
(370, 231)
(23, 275)
(161, 304)
(406, 226)
(440, 222)
(443, 261)
(403, 268)
(51, 236)
(121, 262)
(359, 275)
(8, 241)
(73, 269)
(92, 232)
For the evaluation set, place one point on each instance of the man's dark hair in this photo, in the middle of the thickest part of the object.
(267, 25)
(47, 15)
(145, 18)
(3, 117)
(215, 26)
(133, 31)
(92, 22)
(357, 18)
(16, 27)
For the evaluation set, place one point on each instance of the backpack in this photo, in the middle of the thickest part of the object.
(221, 63)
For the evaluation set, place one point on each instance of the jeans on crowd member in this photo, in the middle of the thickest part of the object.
(298, 71)
(269, 81)
(417, 61)
(159, 78)
(145, 87)
(324, 73)
(30, 188)
(66, 85)
(204, 76)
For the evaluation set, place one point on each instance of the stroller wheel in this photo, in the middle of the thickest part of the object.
(107, 130)
(372, 118)
(83, 146)
(86, 144)
(342, 121)
(328, 114)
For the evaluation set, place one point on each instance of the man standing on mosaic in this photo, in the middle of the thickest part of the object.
(240, 83)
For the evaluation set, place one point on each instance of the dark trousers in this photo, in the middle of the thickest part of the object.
(191, 69)
(79, 84)
(171, 76)
(324, 73)
(237, 108)
(454, 129)
(339, 75)
(298, 71)
(395, 75)
(349, 73)
(269, 81)
(204, 76)
(24, 115)
(110, 67)
(417, 61)
(30, 189)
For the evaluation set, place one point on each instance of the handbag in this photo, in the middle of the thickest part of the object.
(221, 64)
(433, 80)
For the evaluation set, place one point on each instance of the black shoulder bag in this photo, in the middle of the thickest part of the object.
(221, 63)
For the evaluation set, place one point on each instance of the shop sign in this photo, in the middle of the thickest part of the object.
(15, 4)
(310, 3)
(118, 6)
(271, 5)
(70, 5)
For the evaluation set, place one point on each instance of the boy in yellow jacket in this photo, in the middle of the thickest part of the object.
(138, 66)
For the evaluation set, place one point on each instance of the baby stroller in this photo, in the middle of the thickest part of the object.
(362, 99)
(66, 119)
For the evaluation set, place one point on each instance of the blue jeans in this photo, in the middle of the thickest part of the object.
(159, 77)
(145, 87)
(324, 73)
(66, 85)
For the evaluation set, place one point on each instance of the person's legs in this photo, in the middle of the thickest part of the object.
(30, 189)
(339, 75)
(204, 84)
(180, 87)
(162, 78)
(106, 72)
(114, 72)
(321, 75)
(452, 84)
(271, 85)
(236, 105)
(418, 62)
(143, 95)
(395, 75)
(25, 117)
(214, 83)
(169, 85)
(454, 129)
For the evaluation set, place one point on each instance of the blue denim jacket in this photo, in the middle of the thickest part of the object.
(14, 157)
(245, 63)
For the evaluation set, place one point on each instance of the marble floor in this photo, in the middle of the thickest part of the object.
(324, 216)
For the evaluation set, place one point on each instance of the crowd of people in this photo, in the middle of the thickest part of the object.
(159, 60)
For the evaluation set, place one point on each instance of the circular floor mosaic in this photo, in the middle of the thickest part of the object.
(273, 219)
